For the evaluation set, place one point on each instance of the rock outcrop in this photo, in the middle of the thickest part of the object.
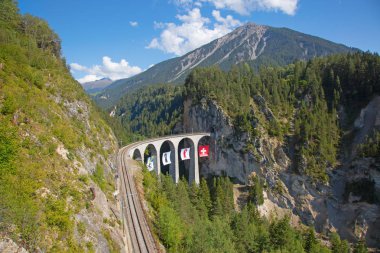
(9, 246)
(227, 150)
(329, 207)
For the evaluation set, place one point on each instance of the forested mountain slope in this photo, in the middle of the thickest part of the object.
(56, 152)
(254, 44)
(152, 111)
(306, 100)
(309, 130)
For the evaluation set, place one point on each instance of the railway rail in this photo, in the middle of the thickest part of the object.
(139, 236)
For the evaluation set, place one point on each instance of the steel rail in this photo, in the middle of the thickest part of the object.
(141, 237)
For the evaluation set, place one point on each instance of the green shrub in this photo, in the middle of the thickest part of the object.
(8, 106)
(99, 178)
(112, 245)
(81, 227)
(57, 215)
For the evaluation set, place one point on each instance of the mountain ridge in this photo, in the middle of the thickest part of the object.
(255, 44)
(96, 86)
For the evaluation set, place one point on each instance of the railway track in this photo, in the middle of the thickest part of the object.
(140, 237)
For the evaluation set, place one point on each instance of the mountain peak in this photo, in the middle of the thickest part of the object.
(251, 25)
(96, 86)
(252, 43)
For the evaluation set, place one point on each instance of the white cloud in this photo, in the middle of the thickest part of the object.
(245, 7)
(76, 66)
(193, 32)
(133, 23)
(198, 4)
(287, 6)
(158, 25)
(89, 78)
(228, 21)
(182, 3)
(110, 69)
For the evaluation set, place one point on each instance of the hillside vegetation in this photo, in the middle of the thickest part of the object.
(152, 111)
(54, 146)
(202, 219)
(304, 99)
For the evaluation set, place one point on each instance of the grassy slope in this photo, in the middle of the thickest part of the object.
(43, 109)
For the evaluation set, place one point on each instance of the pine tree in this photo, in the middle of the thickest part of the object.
(182, 202)
(280, 233)
(219, 198)
(360, 247)
(256, 191)
(171, 228)
(335, 243)
(204, 194)
(310, 240)
(345, 247)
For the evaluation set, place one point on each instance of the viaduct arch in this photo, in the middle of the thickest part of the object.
(157, 146)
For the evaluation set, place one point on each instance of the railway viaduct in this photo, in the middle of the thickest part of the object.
(138, 236)
(157, 146)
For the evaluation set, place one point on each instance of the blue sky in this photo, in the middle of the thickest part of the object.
(120, 38)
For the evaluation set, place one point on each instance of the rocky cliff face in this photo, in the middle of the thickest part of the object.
(56, 152)
(99, 223)
(356, 184)
(81, 175)
(331, 207)
(227, 156)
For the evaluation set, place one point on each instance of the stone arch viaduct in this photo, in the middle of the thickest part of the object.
(171, 143)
